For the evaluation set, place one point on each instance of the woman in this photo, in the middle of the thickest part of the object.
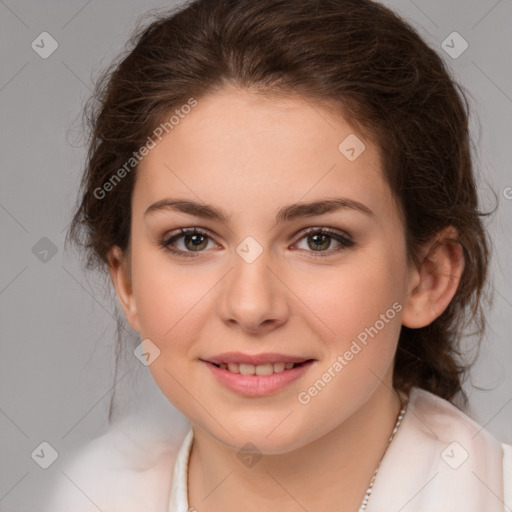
(282, 193)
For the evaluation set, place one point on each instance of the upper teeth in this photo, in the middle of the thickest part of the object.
(259, 369)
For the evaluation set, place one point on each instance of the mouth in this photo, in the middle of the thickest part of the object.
(260, 374)
(260, 369)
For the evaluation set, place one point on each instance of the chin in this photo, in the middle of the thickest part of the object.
(267, 439)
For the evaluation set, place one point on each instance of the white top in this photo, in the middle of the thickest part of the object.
(440, 460)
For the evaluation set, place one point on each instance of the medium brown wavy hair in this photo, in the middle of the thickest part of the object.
(354, 54)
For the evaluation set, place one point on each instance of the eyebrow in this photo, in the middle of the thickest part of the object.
(285, 214)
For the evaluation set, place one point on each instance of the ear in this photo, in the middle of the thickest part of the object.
(118, 264)
(435, 280)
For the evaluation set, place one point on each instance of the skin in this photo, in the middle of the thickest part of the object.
(250, 156)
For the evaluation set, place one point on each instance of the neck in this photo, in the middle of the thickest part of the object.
(334, 472)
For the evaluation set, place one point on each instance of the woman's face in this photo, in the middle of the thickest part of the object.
(256, 283)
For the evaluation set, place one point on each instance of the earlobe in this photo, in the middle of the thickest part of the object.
(120, 275)
(435, 281)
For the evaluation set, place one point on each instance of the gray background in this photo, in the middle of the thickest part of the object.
(57, 327)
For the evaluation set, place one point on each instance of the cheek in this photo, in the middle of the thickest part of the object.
(174, 307)
(354, 296)
(168, 299)
(171, 307)
(359, 305)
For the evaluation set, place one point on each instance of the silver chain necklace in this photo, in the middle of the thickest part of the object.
(369, 490)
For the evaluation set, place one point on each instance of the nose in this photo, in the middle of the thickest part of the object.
(254, 298)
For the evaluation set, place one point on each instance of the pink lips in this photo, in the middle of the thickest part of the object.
(267, 357)
(257, 385)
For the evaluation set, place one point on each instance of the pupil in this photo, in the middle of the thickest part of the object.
(196, 240)
(321, 237)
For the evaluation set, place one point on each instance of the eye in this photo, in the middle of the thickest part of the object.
(320, 239)
(194, 240)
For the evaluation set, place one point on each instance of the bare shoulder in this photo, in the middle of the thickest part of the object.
(124, 469)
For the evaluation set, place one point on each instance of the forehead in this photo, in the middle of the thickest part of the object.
(239, 148)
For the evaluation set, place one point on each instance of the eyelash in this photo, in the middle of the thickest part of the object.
(345, 242)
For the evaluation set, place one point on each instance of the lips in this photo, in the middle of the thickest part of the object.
(260, 369)
(258, 364)
(256, 359)
(261, 379)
